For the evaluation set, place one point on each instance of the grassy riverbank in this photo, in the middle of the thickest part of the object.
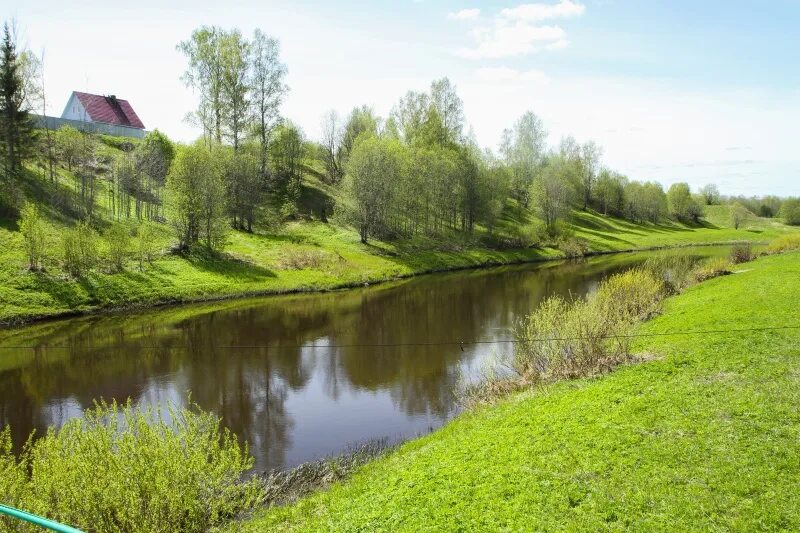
(305, 256)
(702, 437)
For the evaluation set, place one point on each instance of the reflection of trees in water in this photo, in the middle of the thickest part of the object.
(220, 353)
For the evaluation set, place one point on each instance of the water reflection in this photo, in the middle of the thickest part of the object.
(297, 377)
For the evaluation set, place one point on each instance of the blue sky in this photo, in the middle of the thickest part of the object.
(674, 91)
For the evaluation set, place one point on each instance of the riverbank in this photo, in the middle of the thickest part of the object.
(307, 257)
(696, 438)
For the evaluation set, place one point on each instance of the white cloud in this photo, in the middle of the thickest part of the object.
(517, 31)
(539, 12)
(465, 14)
(506, 39)
(506, 74)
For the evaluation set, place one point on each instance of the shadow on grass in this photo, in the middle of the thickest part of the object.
(228, 265)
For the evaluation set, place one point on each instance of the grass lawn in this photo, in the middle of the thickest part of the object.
(703, 437)
(301, 256)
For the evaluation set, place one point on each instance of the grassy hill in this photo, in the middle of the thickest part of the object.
(309, 254)
(702, 437)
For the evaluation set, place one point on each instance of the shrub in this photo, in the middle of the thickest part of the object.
(300, 258)
(572, 247)
(122, 468)
(118, 244)
(79, 248)
(787, 243)
(32, 229)
(741, 253)
(714, 267)
(563, 339)
(790, 212)
(676, 271)
(146, 246)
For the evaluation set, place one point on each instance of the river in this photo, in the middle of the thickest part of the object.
(298, 377)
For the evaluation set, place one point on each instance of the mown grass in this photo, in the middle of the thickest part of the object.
(299, 256)
(701, 437)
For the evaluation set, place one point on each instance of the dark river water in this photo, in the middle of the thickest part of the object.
(298, 377)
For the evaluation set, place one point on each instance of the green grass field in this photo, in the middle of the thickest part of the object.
(300, 256)
(703, 437)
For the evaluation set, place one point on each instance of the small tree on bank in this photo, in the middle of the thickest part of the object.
(196, 198)
(739, 215)
(32, 229)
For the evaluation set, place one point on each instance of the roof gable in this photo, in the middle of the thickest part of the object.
(109, 110)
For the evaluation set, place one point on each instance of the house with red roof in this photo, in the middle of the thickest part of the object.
(107, 114)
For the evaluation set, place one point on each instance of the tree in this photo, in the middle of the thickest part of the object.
(196, 196)
(17, 132)
(234, 55)
(332, 147)
(523, 148)
(409, 114)
(590, 154)
(79, 248)
(551, 193)
(153, 157)
(146, 246)
(790, 211)
(32, 229)
(287, 151)
(609, 191)
(710, 194)
(118, 243)
(375, 168)
(362, 120)
(450, 108)
(243, 187)
(70, 146)
(205, 74)
(681, 203)
(267, 89)
(738, 215)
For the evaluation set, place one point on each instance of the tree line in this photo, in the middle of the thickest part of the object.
(417, 172)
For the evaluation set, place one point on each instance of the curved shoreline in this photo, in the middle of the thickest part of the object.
(20, 322)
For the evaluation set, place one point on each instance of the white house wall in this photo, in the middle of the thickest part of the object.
(74, 110)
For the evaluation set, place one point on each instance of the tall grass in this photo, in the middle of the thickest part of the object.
(567, 339)
(786, 243)
(121, 468)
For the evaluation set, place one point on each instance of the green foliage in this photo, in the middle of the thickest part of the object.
(122, 468)
(790, 212)
(563, 339)
(374, 170)
(71, 146)
(146, 243)
(118, 245)
(739, 215)
(681, 204)
(712, 268)
(18, 136)
(551, 193)
(741, 253)
(196, 195)
(609, 191)
(785, 243)
(79, 249)
(32, 229)
(645, 202)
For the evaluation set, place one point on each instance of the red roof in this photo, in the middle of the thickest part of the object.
(109, 110)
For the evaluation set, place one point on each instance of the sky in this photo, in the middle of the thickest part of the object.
(702, 92)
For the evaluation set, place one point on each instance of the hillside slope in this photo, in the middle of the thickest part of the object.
(304, 255)
(703, 437)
